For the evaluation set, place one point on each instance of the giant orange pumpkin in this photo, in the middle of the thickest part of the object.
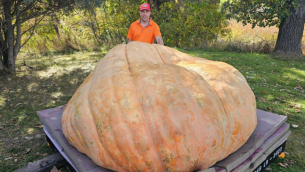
(148, 107)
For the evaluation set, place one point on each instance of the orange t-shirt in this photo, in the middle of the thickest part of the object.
(147, 34)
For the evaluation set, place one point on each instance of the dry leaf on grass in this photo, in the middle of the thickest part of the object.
(285, 165)
(269, 108)
(28, 150)
(298, 110)
(54, 169)
(44, 154)
(8, 158)
(294, 126)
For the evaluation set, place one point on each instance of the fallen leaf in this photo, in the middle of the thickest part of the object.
(298, 110)
(298, 88)
(28, 150)
(280, 98)
(54, 169)
(15, 160)
(8, 158)
(294, 126)
(282, 165)
(15, 154)
(269, 108)
(44, 154)
(292, 161)
(39, 126)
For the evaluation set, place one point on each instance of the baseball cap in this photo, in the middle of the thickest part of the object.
(145, 6)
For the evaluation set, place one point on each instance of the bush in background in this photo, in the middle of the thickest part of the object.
(190, 24)
(183, 24)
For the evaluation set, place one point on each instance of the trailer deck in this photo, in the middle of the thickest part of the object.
(266, 142)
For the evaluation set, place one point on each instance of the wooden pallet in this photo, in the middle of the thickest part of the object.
(267, 141)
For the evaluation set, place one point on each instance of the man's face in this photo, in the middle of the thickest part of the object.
(145, 14)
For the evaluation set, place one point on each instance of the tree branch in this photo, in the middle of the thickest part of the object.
(32, 31)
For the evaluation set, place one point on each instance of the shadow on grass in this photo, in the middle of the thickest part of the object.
(51, 83)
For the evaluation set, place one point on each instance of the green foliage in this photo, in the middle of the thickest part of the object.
(73, 34)
(113, 19)
(189, 24)
(260, 12)
(182, 24)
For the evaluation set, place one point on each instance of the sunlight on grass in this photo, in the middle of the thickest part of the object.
(21, 117)
(30, 130)
(32, 87)
(2, 100)
(49, 72)
(57, 94)
(298, 72)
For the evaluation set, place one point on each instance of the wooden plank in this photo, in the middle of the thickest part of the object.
(45, 164)
(261, 159)
(272, 140)
(51, 119)
(267, 124)
(208, 170)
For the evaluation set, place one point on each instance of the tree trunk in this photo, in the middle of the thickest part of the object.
(8, 55)
(18, 33)
(290, 34)
(56, 24)
(1, 65)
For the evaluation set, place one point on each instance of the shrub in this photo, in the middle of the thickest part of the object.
(190, 24)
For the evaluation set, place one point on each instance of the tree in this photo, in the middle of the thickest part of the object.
(288, 15)
(14, 13)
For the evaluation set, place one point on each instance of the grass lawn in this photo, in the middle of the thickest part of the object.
(52, 80)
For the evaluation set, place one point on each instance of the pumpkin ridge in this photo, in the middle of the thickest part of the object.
(112, 164)
(152, 140)
(120, 119)
(104, 150)
(158, 53)
(236, 85)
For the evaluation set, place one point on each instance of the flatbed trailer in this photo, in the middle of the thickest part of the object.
(262, 148)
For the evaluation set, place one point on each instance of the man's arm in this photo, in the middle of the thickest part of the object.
(129, 40)
(159, 40)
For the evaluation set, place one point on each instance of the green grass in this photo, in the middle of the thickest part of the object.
(277, 84)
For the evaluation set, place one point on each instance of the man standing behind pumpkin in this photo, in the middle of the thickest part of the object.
(145, 29)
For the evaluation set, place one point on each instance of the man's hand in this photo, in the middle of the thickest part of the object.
(159, 40)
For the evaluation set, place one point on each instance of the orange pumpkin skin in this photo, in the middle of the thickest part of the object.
(148, 107)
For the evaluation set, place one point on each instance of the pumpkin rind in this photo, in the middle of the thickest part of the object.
(148, 107)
